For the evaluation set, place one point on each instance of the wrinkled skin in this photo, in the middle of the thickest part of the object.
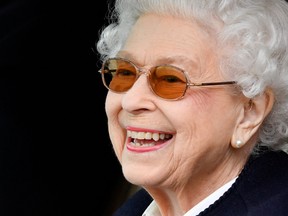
(199, 158)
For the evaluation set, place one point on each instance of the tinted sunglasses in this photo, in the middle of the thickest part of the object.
(166, 81)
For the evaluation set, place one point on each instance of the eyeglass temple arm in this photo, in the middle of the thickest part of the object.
(212, 83)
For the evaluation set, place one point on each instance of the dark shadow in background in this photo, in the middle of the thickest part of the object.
(55, 155)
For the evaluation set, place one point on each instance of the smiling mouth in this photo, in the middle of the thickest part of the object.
(147, 139)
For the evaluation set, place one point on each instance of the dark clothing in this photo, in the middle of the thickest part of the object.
(260, 190)
(135, 205)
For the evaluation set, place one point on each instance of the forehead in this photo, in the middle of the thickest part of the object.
(155, 38)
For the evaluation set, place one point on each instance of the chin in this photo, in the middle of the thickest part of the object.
(133, 177)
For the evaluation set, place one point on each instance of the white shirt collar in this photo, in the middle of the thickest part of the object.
(153, 210)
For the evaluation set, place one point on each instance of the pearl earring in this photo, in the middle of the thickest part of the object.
(238, 143)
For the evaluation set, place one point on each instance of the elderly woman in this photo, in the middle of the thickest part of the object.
(197, 105)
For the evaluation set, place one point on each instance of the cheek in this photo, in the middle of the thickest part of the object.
(110, 104)
(202, 114)
(117, 140)
(116, 132)
(113, 107)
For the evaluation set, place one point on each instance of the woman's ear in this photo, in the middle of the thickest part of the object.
(252, 115)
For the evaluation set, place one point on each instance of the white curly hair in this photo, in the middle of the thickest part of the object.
(258, 32)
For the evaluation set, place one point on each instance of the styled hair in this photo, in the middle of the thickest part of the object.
(256, 32)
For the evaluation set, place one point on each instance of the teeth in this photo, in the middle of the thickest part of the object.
(148, 135)
(155, 136)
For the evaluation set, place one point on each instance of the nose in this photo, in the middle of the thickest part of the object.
(139, 97)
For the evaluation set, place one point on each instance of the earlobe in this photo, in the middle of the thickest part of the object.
(253, 113)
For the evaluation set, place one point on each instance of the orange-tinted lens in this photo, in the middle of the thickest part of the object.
(168, 82)
(119, 75)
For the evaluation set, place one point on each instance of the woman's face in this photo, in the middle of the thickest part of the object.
(201, 123)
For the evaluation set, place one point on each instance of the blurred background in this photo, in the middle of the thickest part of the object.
(55, 155)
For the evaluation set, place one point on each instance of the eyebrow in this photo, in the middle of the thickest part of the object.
(177, 60)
